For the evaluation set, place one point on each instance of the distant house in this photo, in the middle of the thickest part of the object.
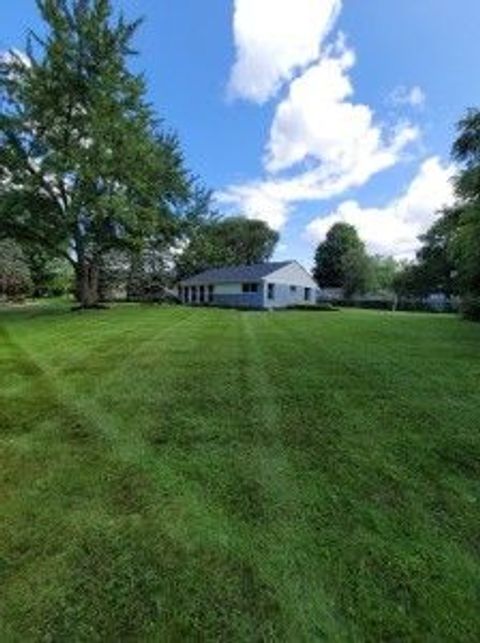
(263, 285)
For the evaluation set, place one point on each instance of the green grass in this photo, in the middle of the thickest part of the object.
(174, 474)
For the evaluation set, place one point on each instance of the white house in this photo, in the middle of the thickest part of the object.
(263, 285)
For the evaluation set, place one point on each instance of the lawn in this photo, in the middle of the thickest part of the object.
(177, 474)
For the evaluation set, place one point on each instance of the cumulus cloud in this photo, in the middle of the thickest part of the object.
(322, 142)
(256, 200)
(414, 97)
(327, 142)
(395, 228)
(319, 120)
(273, 39)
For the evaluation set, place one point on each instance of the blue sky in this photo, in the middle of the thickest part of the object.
(307, 112)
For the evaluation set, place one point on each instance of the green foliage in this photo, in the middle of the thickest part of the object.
(465, 243)
(341, 261)
(435, 257)
(434, 270)
(383, 273)
(328, 270)
(51, 276)
(470, 307)
(113, 276)
(171, 474)
(149, 276)
(84, 167)
(449, 260)
(466, 150)
(358, 276)
(15, 276)
(465, 249)
(411, 281)
(226, 242)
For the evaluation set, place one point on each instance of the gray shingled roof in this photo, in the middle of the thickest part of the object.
(229, 274)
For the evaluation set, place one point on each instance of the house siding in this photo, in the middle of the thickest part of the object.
(230, 295)
(292, 274)
(240, 300)
(285, 297)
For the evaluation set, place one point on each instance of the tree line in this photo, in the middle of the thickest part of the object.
(448, 261)
(342, 263)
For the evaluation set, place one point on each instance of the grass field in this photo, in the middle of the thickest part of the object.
(176, 474)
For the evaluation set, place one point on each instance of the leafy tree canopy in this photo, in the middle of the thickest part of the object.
(383, 272)
(84, 165)
(229, 241)
(357, 272)
(449, 260)
(341, 247)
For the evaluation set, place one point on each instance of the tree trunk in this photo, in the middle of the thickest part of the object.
(87, 284)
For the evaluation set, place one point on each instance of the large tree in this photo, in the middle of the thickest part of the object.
(228, 241)
(449, 259)
(465, 242)
(435, 259)
(84, 166)
(336, 257)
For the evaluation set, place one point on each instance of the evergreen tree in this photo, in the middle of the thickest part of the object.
(84, 167)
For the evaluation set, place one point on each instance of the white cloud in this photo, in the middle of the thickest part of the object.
(414, 97)
(273, 39)
(256, 200)
(271, 200)
(394, 229)
(318, 120)
(329, 142)
(322, 142)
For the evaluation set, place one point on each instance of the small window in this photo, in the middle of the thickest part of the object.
(293, 289)
(307, 294)
(202, 294)
(210, 293)
(194, 294)
(271, 291)
(249, 287)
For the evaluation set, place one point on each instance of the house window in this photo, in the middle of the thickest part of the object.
(210, 294)
(194, 294)
(249, 287)
(271, 291)
(185, 294)
(307, 294)
(202, 294)
(293, 289)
